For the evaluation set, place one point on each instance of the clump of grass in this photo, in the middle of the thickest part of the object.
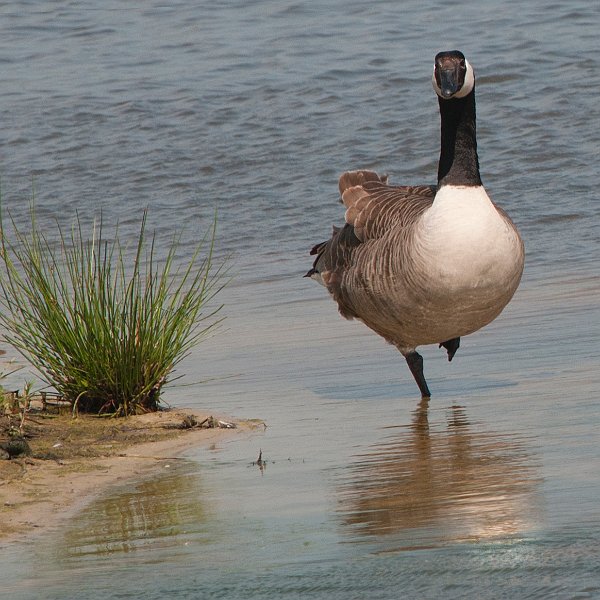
(106, 335)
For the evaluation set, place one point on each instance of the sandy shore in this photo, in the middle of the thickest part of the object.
(48, 491)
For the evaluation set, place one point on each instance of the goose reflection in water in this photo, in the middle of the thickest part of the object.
(442, 482)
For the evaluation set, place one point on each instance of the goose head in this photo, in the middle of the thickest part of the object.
(452, 75)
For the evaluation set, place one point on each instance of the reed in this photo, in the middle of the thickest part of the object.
(105, 334)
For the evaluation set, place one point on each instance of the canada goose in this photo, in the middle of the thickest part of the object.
(425, 264)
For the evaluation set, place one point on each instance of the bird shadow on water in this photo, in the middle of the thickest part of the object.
(438, 481)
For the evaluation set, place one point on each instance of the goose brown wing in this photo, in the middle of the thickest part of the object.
(372, 209)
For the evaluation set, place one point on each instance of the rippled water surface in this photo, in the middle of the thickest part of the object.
(492, 490)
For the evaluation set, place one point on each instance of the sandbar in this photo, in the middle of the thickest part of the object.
(37, 493)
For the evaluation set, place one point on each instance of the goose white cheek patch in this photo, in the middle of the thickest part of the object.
(464, 90)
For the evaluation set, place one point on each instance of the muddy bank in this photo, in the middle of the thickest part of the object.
(70, 461)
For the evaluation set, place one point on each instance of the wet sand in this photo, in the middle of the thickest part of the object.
(47, 492)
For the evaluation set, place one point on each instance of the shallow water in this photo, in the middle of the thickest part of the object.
(491, 490)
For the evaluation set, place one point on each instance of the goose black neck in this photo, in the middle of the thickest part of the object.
(459, 164)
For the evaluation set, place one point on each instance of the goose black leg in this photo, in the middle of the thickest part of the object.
(452, 346)
(415, 364)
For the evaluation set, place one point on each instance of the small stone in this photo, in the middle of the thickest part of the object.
(188, 422)
(16, 447)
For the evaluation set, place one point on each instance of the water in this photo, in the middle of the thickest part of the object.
(489, 492)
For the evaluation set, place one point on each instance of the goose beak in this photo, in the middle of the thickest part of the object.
(448, 82)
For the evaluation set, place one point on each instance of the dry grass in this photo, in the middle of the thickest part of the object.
(60, 437)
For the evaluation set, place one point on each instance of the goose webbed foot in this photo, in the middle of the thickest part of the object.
(415, 364)
(451, 346)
